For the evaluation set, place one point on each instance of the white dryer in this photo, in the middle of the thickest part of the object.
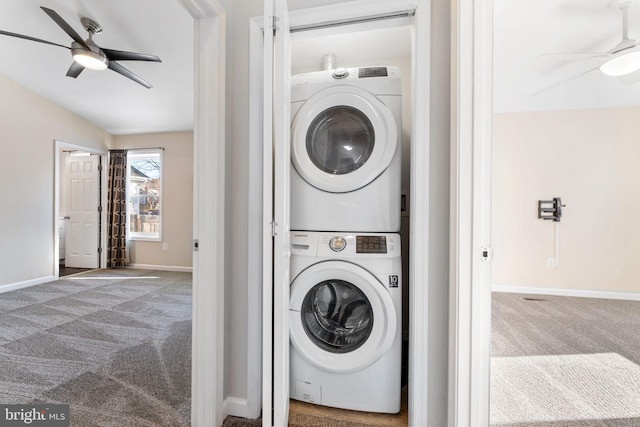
(345, 316)
(345, 150)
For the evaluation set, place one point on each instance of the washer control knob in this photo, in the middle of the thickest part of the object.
(340, 73)
(337, 243)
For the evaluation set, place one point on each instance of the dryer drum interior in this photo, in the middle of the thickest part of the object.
(340, 140)
(337, 316)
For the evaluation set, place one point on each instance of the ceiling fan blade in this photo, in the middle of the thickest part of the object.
(119, 55)
(574, 54)
(128, 73)
(66, 27)
(33, 39)
(564, 81)
(75, 70)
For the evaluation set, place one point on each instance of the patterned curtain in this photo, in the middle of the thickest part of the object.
(117, 209)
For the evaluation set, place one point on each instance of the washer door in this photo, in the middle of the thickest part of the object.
(342, 139)
(342, 318)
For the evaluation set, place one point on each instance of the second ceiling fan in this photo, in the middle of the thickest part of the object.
(622, 61)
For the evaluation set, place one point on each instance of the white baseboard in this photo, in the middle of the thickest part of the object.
(161, 267)
(632, 296)
(237, 407)
(26, 284)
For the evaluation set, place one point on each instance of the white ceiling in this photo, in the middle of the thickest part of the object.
(526, 31)
(105, 98)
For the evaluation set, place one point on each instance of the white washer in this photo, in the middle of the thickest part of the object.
(345, 150)
(345, 313)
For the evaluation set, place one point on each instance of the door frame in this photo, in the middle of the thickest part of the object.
(419, 353)
(59, 146)
(209, 143)
(470, 277)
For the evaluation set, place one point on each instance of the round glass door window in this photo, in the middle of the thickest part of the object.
(340, 140)
(337, 316)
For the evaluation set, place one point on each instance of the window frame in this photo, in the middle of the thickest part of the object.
(139, 235)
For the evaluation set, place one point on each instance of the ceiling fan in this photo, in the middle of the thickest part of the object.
(620, 61)
(87, 54)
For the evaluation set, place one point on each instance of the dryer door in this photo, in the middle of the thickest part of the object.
(342, 318)
(342, 139)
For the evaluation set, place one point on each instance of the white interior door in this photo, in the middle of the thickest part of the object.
(82, 219)
(276, 127)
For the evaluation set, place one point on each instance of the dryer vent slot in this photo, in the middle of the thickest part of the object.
(372, 72)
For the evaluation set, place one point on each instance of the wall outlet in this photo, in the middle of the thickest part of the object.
(551, 263)
(165, 246)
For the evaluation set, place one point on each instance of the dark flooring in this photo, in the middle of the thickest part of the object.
(67, 271)
(303, 414)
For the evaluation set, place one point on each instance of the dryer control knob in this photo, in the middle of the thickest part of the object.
(337, 243)
(340, 73)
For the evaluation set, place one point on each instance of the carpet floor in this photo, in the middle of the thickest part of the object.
(113, 344)
(564, 361)
(116, 346)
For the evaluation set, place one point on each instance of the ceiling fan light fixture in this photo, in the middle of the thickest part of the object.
(89, 59)
(622, 64)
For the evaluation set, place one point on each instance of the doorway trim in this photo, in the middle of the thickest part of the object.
(59, 146)
(207, 351)
(470, 277)
(419, 365)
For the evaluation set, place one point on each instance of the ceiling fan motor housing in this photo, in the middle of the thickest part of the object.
(94, 59)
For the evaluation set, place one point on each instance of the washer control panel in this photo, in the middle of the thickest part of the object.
(337, 243)
(345, 245)
(371, 244)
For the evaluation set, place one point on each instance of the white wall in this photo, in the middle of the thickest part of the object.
(29, 124)
(590, 159)
(177, 201)
(238, 15)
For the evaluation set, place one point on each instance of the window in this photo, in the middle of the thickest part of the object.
(144, 194)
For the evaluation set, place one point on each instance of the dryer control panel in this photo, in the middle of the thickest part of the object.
(372, 72)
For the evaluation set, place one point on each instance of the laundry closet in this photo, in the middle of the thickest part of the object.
(374, 224)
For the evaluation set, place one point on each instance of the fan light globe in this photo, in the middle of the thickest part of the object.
(90, 60)
(622, 64)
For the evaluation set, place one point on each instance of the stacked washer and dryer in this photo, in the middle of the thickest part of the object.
(346, 285)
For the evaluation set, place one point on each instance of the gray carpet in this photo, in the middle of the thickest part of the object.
(564, 361)
(114, 344)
